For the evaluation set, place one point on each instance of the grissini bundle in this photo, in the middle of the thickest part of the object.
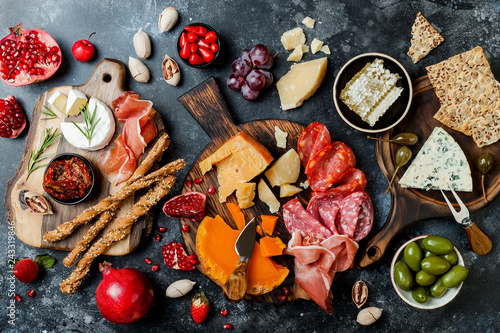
(119, 231)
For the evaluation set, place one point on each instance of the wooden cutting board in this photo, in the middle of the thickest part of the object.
(206, 104)
(409, 206)
(106, 84)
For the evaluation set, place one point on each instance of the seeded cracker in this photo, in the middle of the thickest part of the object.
(424, 38)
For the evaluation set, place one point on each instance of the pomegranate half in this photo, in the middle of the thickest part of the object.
(12, 118)
(28, 56)
(124, 295)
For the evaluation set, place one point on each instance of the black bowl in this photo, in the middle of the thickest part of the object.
(396, 112)
(186, 61)
(67, 156)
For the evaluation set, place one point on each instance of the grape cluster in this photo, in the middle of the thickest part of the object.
(250, 72)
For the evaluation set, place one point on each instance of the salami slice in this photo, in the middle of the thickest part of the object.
(355, 218)
(325, 207)
(328, 165)
(297, 218)
(314, 138)
(353, 180)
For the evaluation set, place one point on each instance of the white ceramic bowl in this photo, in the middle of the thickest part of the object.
(396, 112)
(432, 303)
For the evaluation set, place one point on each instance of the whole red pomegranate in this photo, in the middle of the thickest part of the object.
(124, 295)
(28, 56)
(12, 118)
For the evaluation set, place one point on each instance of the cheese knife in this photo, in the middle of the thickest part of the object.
(236, 285)
(477, 239)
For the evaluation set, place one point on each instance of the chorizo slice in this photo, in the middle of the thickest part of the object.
(353, 180)
(312, 139)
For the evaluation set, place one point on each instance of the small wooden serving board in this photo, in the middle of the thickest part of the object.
(409, 206)
(105, 84)
(206, 104)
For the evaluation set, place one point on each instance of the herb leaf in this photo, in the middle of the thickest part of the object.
(48, 138)
(46, 111)
(45, 261)
(90, 122)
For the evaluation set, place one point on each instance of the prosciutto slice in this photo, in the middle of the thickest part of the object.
(317, 262)
(119, 163)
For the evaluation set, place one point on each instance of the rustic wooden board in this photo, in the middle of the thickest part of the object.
(207, 106)
(106, 84)
(409, 206)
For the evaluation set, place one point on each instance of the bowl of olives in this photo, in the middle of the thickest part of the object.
(428, 271)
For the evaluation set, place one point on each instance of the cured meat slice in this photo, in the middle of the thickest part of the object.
(353, 180)
(297, 218)
(355, 218)
(324, 207)
(312, 139)
(328, 165)
(118, 163)
(316, 264)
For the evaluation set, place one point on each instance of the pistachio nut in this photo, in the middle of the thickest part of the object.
(142, 44)
(171, 71)
(368, 316)
(139, 71)
(168, 18)
(37, 203)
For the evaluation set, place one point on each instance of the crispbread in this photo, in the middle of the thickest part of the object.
(424, 38)
(485, 130)
(444, 74)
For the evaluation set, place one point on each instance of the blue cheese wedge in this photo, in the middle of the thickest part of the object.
(440, 162)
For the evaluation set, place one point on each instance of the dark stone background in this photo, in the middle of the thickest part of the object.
(349, 28)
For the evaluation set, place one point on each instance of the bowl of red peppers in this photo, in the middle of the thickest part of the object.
(198, 45)
(68, 179)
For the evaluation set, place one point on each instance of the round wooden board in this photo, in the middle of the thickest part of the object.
(105, 84)
(409, 206)
(206, 104)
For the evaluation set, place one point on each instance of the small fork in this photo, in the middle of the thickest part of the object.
(477, 239)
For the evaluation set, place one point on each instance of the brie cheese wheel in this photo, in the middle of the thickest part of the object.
(76, 101)
(439, 163)
(103, 132)
(58, 102)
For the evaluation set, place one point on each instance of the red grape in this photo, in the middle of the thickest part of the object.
(241, 67)
(235, 82)
(247, 93)
(259, 54)
(268, 64)
(268, 76)
(255, 80)
(245, 55)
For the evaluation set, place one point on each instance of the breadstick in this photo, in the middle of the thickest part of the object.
(112, 201)
(118, 232)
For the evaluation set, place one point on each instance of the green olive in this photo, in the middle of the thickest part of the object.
(485, 163)
(435, 265)
(420, 294)
(451, 257)
(405, 139)
(413, 256)
(428, 253)
(403, 155)
(437, 289)
(424, 279)
(402, 275)
(454, 276)
(437, 244)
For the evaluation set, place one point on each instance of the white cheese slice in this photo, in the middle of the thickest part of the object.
(103, 132)
(308, 22)
(316, 45)
(280, 137)
(287, 190)
(267, 196)
(293, 38)
(296, 55)
(439, 162)
(285, 170)
(76, 102)
(58, 102)
(305, 48)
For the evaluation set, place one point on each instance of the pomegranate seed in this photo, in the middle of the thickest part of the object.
(185, 228)
(31, 293)
(155, 267)
(18, 297)
(162, 229)
(192, 256)
(286, 291)
(147, 261)
(198, 180)
(282, 297)
(188, 183)
(228, 326)
(211, 190)
(157, 238)
(223, 313)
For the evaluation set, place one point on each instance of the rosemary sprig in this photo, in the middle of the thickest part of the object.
(49, 137)
(90, 122)
(46, 111)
